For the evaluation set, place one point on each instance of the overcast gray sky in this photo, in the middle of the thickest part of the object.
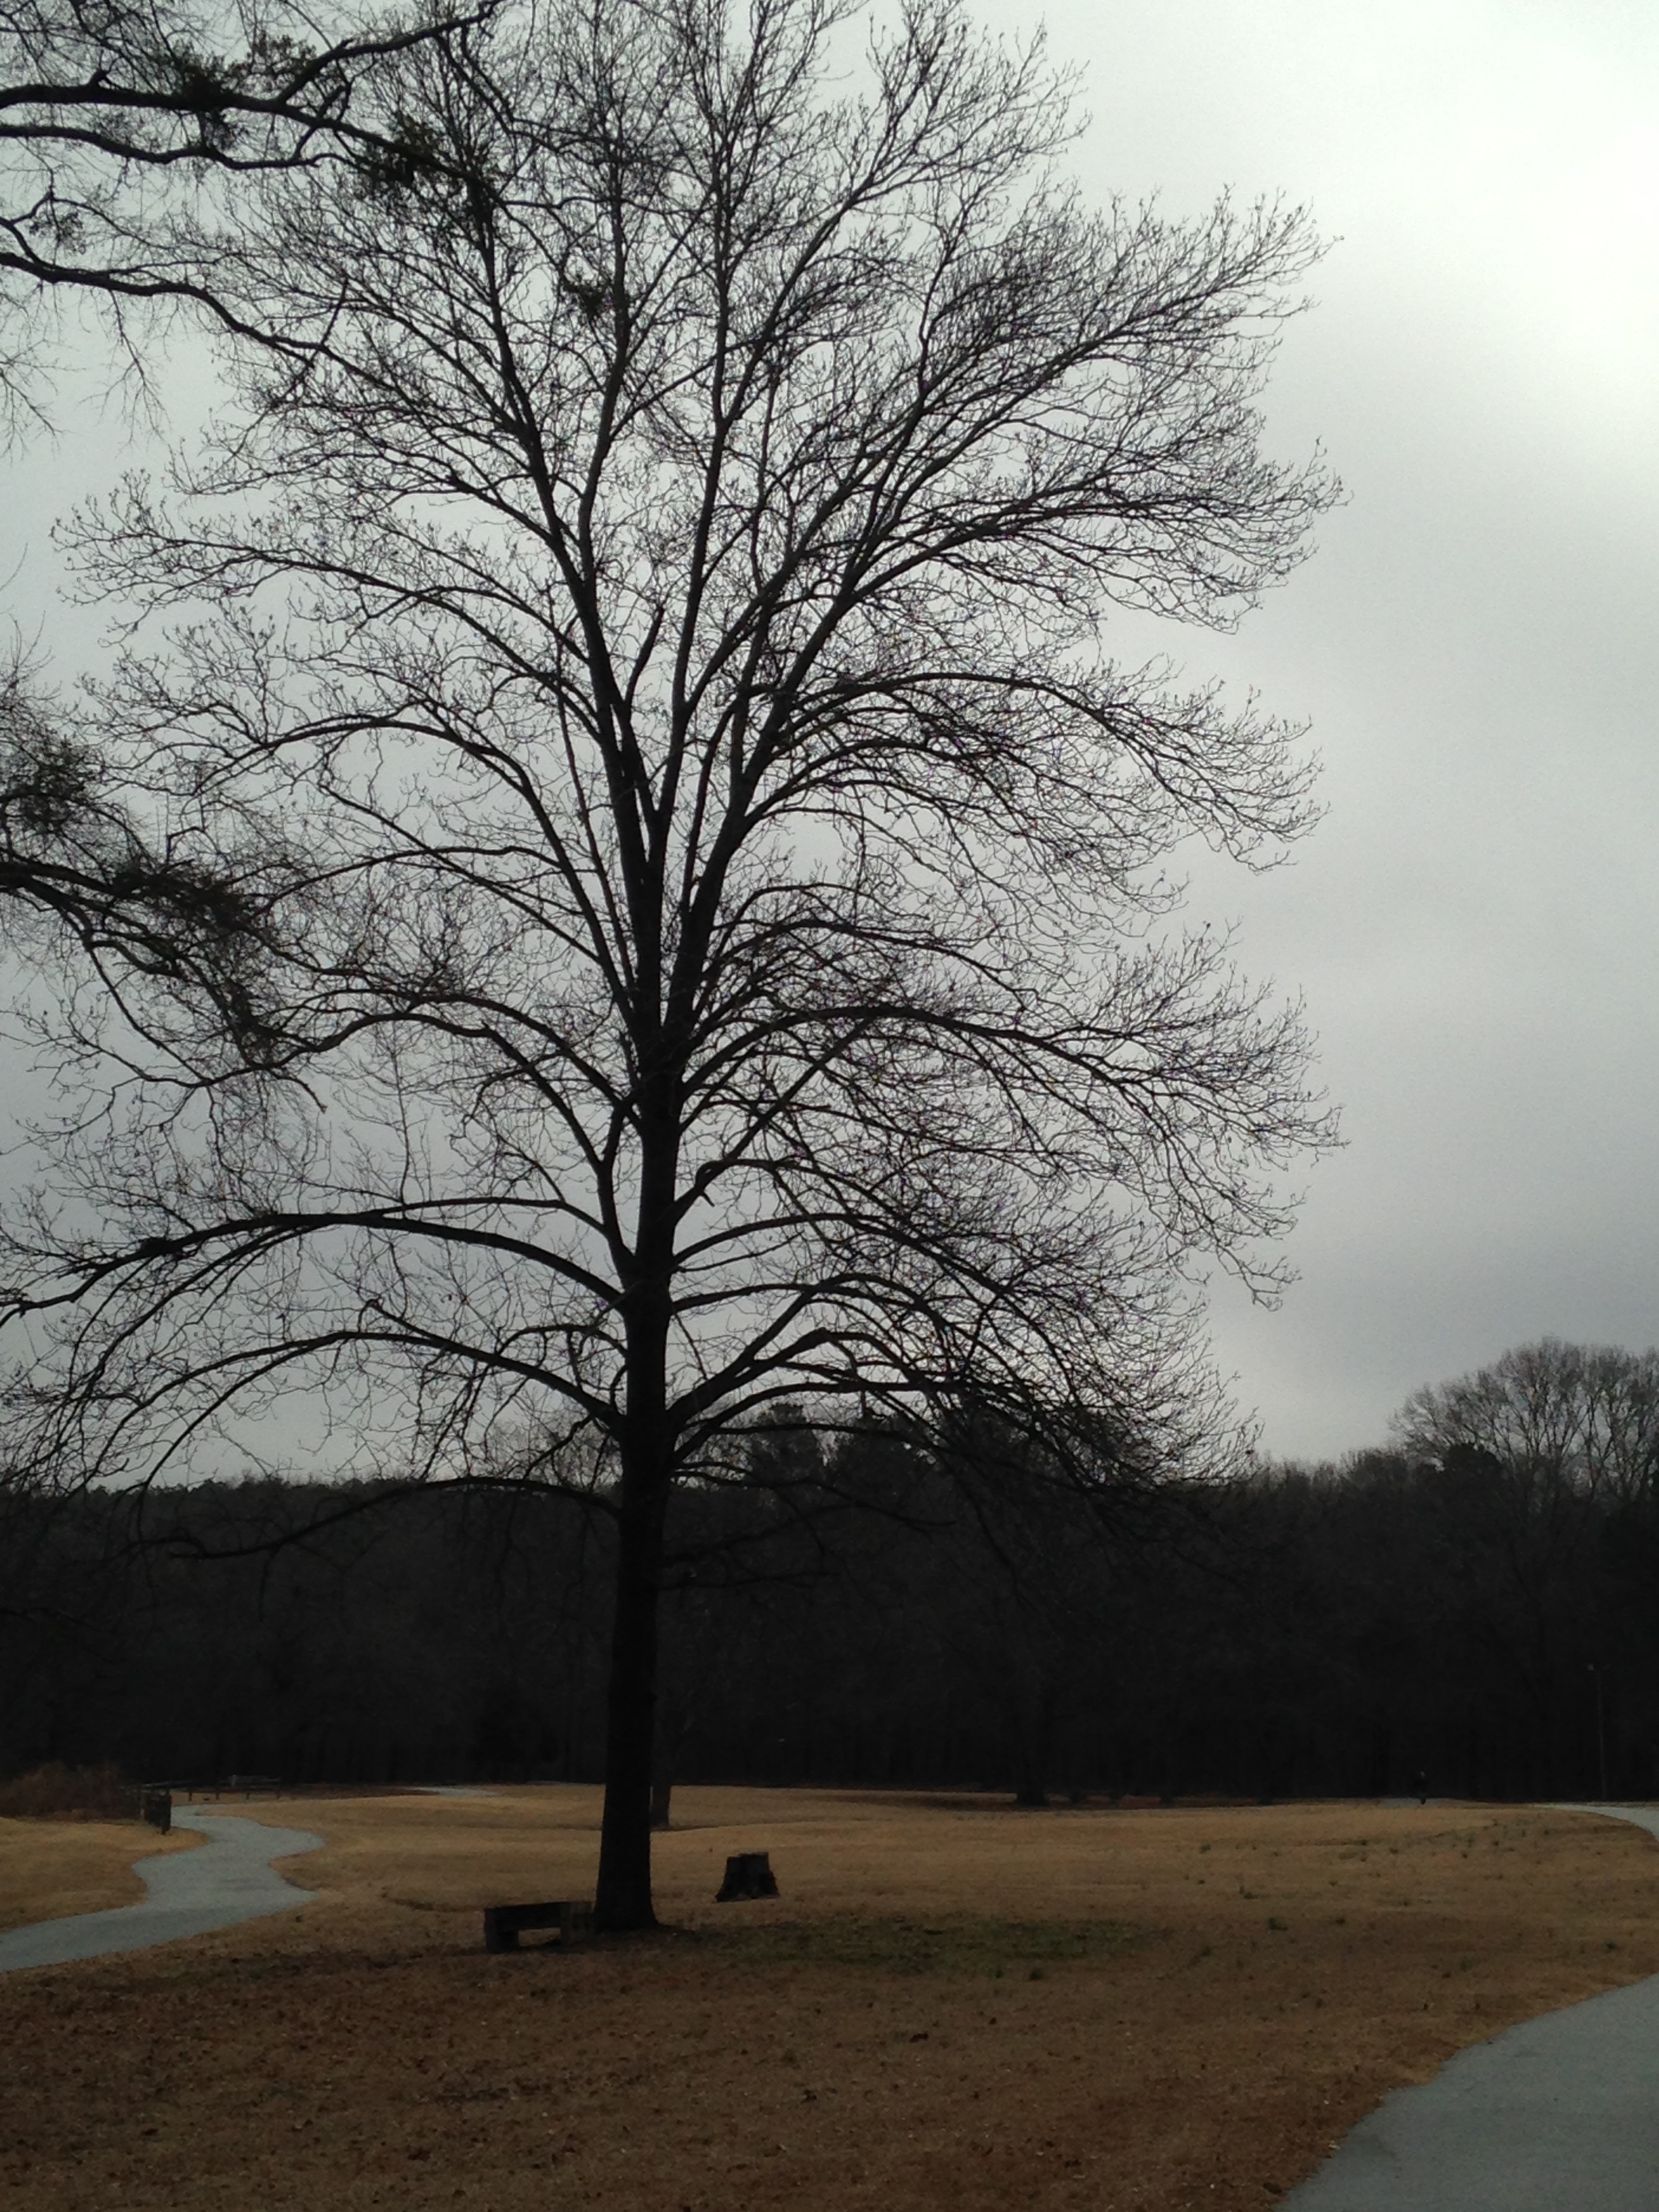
(1475, 924)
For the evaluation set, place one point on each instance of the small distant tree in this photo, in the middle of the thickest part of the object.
(682, 919)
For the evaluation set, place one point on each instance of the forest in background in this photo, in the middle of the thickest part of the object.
(1474, 1608)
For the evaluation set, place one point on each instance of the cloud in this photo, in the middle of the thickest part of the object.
(1476, 923)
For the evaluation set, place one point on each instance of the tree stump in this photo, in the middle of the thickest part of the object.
(748, 1873)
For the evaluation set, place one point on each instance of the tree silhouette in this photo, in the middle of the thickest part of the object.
(629, 663)
(115, 118)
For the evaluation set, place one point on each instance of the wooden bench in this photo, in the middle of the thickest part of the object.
(502, 1923)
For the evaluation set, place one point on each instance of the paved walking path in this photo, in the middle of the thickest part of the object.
(1560, 2114)
(227, 1879)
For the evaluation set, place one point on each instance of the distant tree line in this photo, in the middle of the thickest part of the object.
(1474, 1605)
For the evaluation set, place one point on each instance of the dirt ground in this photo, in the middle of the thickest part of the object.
(951, 2005)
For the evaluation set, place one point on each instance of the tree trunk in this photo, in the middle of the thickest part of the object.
(623, 1900)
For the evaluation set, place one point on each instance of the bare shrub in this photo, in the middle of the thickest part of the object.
(57, 1792)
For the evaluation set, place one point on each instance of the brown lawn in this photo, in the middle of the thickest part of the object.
(49, 1868)
(952, 2004)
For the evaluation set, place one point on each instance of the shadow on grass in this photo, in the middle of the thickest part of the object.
(896, 1946)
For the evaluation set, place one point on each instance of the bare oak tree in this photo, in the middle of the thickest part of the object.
(694, 935)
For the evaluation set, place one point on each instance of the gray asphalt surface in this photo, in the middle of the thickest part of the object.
(1560, 2114)
(229, 1879)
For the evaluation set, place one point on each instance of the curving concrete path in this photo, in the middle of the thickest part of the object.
(1560, 2114)
(228, 1879)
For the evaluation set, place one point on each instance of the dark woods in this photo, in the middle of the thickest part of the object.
(1477, 1615)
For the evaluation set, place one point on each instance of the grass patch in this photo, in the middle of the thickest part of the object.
(892, 1944)
(51, 1869)
(952, 2004)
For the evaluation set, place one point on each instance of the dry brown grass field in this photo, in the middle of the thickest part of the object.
(49, 1868)
(952, 2004)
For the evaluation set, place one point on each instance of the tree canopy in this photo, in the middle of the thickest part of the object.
(114, 114)
(1562, 1417)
